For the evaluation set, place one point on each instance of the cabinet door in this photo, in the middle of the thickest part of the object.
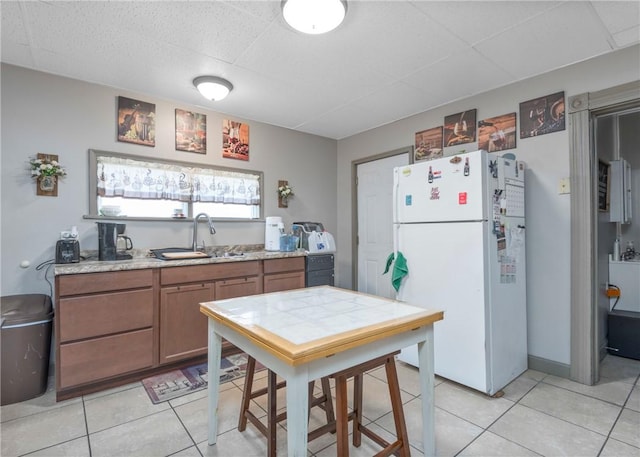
(283, 281)
(183, 328)
(241, 287)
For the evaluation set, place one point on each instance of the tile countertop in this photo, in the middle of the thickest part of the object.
(144, 259)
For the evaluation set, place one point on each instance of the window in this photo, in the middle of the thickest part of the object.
(140, 187)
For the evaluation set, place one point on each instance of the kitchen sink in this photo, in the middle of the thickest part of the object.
(178, 254)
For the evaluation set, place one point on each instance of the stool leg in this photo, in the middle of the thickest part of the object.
(358, 380)
(246, 393)
(396, 404)
(272, 392)
(342, 422)
(328, 404)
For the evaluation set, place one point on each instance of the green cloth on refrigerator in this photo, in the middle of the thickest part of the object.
(400, 269)
(389, 262)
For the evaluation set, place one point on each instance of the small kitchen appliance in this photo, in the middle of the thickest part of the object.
(67, 251)
(68, 248)
(313, 238)
(106, 240)
(108, 235)
(273, 229)
(123, 243)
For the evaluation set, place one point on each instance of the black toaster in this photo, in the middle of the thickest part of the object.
(67, 251)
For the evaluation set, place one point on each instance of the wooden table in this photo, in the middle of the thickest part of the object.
(306, 334)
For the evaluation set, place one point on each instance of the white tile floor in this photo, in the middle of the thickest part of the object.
(539, 414)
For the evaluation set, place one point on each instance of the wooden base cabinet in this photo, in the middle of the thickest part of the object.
(104, 326)
(183, 328)
(121, 326)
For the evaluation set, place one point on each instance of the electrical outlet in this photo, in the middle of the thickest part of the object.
(564, 186)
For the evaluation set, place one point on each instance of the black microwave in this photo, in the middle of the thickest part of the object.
(67, 251)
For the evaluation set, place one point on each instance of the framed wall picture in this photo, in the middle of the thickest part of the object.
(235, 140)
(542, 115)
(460, 128)
(136, 122)
(191, 131)
(428, 144)
(497, 133)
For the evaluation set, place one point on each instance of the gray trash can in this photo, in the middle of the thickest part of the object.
(25, 336)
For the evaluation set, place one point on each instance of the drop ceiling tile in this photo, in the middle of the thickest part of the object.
(17, 54)
(461, 75)
(316, 63)
(265, 10)
(395, 101)
(12, 24)
(627, 37)
(210, 28)
(340, 123)
(475, 21)
(618, 16)
(567, 34)
(396, 38)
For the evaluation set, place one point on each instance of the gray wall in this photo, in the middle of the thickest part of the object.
(547, 158)
(55, 115)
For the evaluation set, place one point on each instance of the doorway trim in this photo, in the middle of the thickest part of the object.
(584, 288)
(354, 202)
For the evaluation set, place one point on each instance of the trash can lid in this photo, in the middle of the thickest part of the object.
(25, 308)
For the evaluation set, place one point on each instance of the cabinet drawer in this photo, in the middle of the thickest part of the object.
(101, 358)
(284, 264)
(198, 273)
(241, 287)
(104, 314)
(283, 281)
(103, 282)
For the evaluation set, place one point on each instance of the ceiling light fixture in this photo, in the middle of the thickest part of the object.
(314, 16)
(212, 87)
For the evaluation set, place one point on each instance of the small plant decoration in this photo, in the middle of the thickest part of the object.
(46, 167)
(46, 170)
(285, 192)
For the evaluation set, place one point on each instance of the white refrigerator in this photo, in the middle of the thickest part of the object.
(459, 223)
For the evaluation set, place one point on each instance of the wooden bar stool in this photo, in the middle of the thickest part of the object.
(400, 447)
(324, 401)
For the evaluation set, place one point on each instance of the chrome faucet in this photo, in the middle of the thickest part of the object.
(212, 229)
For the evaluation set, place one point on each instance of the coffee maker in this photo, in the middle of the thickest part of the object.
(112, 243)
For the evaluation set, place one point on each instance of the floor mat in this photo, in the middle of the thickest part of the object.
(176, 383)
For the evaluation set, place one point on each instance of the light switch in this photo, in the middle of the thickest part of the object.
(564, 186)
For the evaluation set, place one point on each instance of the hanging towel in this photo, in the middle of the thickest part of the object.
(400, 270)
(389, 262)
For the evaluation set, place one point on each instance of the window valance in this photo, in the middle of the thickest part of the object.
(129, 178)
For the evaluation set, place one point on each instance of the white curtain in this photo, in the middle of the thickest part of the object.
(120, 177)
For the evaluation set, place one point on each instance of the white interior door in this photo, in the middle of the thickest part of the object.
(375, 223)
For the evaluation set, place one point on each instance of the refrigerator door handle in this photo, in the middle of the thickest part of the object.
(396, 185)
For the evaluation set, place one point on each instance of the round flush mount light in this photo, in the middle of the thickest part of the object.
(314, 16)
(212, 87)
